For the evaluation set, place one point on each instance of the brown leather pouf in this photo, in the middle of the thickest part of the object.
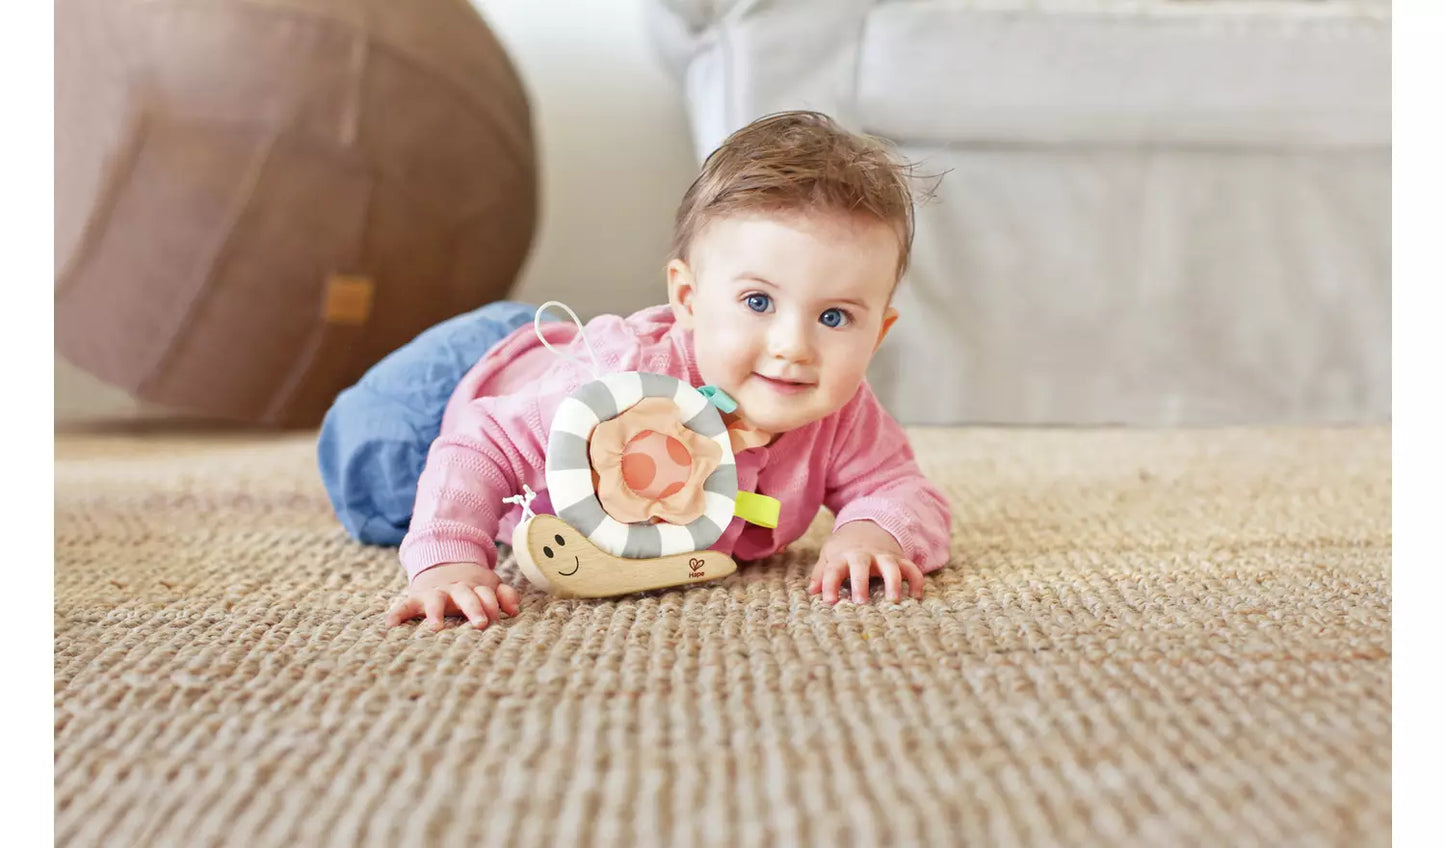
(258, 199)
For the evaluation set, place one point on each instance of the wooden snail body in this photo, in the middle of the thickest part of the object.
(561, 561)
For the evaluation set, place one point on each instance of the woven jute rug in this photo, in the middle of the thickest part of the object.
(1144, 638)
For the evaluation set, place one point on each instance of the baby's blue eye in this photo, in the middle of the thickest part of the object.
(833, 318)
(759, 302)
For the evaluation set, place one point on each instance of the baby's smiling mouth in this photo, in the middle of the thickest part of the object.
(783, 385)
(577, 564)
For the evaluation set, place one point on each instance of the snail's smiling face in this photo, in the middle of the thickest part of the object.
(551, 552)
(560, 553)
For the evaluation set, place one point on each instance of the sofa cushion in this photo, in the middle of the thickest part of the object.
(1235, 74)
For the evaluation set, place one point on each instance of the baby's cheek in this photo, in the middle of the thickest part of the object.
(853, 363)
(724, 353)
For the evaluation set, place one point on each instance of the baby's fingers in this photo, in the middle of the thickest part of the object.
(860, 568)
(892, 578)
(815, 580)
(435, 604)
(488, 599)
(832, 580)
(471, 606)
(405, 609)
(915, 578)
(508, 599)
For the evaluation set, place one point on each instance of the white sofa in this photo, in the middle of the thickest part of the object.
(1154, 212)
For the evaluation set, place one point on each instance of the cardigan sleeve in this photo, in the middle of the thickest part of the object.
(873, 476)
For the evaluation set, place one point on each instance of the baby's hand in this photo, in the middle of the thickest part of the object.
(464, 588)
(856, 551)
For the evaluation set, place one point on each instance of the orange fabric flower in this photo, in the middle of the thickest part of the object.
(649, 467)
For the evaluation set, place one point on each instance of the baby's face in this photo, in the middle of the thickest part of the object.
(786, 312)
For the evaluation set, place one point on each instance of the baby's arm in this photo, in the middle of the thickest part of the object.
(891, 521)
(492, 449)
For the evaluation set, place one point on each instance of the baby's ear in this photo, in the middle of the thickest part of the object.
(888, 318)
(681, 287)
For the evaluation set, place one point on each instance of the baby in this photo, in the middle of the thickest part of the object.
(786, 253)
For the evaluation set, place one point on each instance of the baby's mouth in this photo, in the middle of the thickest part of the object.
(784, 385)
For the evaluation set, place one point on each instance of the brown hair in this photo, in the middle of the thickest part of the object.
(798, 161)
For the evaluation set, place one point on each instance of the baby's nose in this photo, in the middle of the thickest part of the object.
(786, 342)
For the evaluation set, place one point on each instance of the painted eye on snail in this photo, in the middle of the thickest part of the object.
(561, 543)
(548, 551)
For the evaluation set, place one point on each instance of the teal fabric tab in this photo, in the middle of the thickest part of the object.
(719, 398)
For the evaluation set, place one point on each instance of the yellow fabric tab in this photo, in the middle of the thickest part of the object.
(758, 509)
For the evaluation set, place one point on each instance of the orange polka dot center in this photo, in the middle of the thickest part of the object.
(655, 465)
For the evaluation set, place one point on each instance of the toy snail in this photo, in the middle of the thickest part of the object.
(642, 476)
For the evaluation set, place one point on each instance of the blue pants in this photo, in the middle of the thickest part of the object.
(374, 439)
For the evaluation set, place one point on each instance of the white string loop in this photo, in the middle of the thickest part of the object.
(596, 366)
